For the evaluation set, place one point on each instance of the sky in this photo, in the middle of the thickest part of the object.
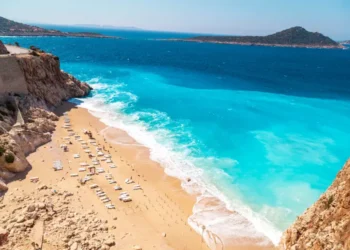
(237, 17)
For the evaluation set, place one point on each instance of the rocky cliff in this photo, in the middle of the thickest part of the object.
(26, 120)
(3, 50)
(326, 224)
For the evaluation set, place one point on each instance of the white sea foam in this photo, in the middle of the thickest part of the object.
(246, 225)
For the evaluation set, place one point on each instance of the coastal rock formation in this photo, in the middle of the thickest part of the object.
(326, 224)
(26, 120)
(47, 217)
(3, 50)
(46, 81)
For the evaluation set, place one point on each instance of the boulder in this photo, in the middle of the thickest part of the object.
(3, 50)
(3, 186)
(3, 235)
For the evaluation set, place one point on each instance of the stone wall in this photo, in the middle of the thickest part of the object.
(11, 76)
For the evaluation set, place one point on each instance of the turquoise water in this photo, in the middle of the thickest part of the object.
(264, 129)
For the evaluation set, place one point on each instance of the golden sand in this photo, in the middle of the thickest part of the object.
(156, 218)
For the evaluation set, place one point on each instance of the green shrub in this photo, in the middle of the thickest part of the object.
(10, 106)
(9, 158)
(329, 201)
(2, 150)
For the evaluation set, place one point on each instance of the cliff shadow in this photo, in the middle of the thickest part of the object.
(66, 107)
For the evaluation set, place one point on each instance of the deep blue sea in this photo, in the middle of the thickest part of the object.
(264, 129)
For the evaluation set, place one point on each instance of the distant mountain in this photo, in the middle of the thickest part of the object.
(346, 42)
(12, 28)
(105, 27)
(293, 37)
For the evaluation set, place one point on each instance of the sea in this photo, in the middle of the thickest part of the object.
(263, 129)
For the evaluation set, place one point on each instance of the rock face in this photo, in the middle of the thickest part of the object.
(3, 50)
(326, 224)
(46, 81)
(26, 120)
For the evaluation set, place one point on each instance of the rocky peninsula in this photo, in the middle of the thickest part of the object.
(293, 37)
(12, 28)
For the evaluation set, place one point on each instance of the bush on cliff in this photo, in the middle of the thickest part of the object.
(2, 151)
(9, 158)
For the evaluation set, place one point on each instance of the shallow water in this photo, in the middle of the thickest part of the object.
(263, 129)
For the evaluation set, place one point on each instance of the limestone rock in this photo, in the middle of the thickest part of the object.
(3, 50)
(3, 186)
(326, 224)
(3, 235)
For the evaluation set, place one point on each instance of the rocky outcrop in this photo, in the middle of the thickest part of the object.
(46, 81)
(326, 224)
(48, 216)
(26, 120)
(3, 50)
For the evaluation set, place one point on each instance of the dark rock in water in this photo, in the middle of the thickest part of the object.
(3, 50)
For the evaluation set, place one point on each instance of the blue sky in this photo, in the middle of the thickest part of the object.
(259, 17)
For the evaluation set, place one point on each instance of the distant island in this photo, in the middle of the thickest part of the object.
(105, 26)
(12, 28)
(346, 42)
(293, 37)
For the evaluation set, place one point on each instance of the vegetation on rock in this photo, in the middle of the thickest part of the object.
(293, 36)
(9, 158)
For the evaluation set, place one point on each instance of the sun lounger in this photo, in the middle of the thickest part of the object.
(87, 178)
(137, 187)
(112, 182)
(110, 206)
(57, 165)
(73, 175)
(105, 201)
(84, 164)
(82, 169)
(66, 138)
(100, 170)
(93, 186)
(108, 156)
(83, 143)
(100, 153)
(117, 188)
(123, 196)
(127, 199)
(109, 161)
(85, 147)
(87, 151)
(129, 181)
(76, 156)
(80, 139)
(103, 159)
(77, 136)
(96, 163)
(112, 166)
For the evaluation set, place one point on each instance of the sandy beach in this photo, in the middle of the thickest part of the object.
(156, 218)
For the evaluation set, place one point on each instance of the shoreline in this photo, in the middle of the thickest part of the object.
(258, 44)
(207, 205)
(158, 215)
